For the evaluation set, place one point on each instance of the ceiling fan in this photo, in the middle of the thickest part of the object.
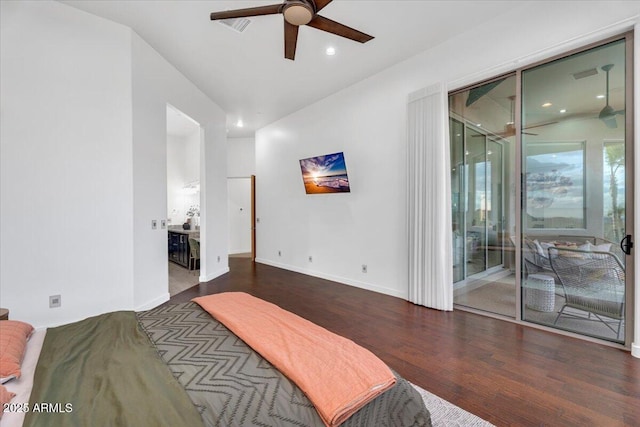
(608, 114)
(297, 13)
(510, 127)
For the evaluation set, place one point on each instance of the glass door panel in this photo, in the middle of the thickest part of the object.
(476, 212)
(482, 169)
(573, 192)
(494, 204)
(457, 200)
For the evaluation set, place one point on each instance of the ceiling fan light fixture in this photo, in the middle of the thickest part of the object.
(298, 13)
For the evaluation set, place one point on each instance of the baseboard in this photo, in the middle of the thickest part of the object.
(239, 251)
(214, 275)
(343, 280)
(154, 302)
(635, 350)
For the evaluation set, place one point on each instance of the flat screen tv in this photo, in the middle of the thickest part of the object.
(325, 174)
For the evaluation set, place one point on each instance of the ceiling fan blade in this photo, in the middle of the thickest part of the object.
(290, 40)
(610, 122)
(251, 11)
(478, 92)
(320, 4)
(539, 125)
(326, 24)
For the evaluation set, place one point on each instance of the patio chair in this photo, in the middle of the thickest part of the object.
(593, 282)
(534, 261)
(194, 254)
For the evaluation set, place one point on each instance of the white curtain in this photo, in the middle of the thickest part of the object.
(429, 200)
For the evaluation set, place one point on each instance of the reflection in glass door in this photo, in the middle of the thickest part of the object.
(475, 197)
(495, 201)
(575, 192)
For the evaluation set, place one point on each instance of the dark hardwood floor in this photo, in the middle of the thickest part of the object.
(505, 373)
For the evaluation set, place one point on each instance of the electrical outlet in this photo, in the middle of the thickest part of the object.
(364, 268)
(163, 223)
(279, 253)
(310, 258)
(154, 224)
(55, 301)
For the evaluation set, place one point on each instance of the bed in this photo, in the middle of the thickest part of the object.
(176, 365)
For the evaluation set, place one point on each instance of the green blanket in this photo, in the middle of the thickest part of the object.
(104, 371)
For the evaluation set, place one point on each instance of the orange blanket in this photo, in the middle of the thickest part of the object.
(338, 376)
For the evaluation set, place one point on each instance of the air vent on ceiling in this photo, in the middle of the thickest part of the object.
(237, 24)
(585, 73)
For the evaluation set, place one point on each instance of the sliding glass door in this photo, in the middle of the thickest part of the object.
(574, 166)
(482, 159)
(541, 196)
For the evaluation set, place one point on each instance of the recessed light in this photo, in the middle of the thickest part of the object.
(563, 111)
(547, 104)
(600, 96)
(331, 51)
(239, 123)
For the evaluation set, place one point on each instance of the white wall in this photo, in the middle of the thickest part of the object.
(175, 179)
(241, 157)
(83, 157)
(156, 83)
(241, 164)
(368, 122)
(183, 167)
(66, 194)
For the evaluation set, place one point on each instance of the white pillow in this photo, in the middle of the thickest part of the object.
(541, 251)
(604, 247)
(586, 247)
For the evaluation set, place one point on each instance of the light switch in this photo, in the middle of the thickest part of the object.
(163, 223)
(154, 224)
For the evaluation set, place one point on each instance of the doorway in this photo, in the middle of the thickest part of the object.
(183, 200)
(240, 216)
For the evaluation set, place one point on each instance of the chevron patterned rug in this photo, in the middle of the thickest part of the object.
(446, 414)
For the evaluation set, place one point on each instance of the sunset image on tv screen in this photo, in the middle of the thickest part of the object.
(325, 174)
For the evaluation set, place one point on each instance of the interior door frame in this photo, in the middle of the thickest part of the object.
(630, 321)
(253, 218)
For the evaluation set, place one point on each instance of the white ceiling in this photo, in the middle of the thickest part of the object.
(246, 73)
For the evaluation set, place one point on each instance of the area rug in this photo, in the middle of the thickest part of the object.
(445, 414)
